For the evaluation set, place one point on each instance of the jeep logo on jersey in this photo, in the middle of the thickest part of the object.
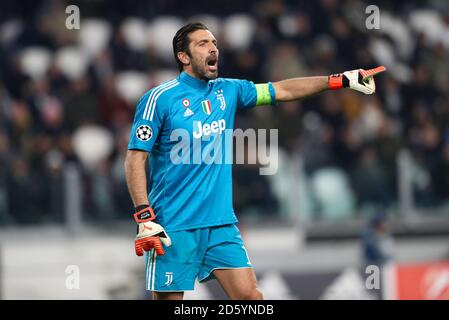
(144, 133)
(206, 129)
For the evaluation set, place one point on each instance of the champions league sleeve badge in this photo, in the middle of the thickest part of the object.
(144, 133)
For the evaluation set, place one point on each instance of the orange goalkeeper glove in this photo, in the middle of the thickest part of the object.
(360, 80)
(149, 234)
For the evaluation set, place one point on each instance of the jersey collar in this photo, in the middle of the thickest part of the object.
(193, 82)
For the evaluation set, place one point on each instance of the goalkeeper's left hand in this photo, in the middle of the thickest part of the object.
(150, 235)
(360, 80)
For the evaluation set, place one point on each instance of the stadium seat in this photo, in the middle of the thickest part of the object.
(135, 33)
(92, 144)
(211, 21)
(35, 61)
(400, 32)
(424, 20)
(131, 85)
(94, 35)
(160, 30)
(9, 30)
(383, 51)
(430, 23)
(72, 61)
(333, 194)
(239, 31)
(291, 188)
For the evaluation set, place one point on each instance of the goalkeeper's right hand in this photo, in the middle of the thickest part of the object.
(360, 80)
(149, 234)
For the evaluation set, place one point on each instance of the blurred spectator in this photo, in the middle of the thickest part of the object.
(4, 165)
(79, 103)
(370, 180)
(113, 110)
(285, 62)
(377, 244)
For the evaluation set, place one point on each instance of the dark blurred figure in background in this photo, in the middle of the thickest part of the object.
(377, 244)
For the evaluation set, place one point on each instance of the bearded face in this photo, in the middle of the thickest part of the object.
(203, 55)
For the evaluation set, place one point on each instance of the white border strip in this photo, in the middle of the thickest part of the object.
(148, 269)
(154, 270)
(223, 268)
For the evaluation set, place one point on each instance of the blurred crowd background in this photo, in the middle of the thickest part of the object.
(67, 100)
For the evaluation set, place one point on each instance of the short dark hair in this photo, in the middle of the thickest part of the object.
(181, 40)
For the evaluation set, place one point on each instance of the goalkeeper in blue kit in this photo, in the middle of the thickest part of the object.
(187, 228)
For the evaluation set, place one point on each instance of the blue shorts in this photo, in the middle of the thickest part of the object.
(195, 254)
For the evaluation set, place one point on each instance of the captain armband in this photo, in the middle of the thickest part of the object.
(265, 94)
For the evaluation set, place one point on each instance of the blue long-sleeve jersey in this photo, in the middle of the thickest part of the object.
(186, 126)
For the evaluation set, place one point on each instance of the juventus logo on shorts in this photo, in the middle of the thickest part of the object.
(144, 133)
(169, 276)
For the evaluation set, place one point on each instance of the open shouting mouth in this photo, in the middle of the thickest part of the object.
(212, 63)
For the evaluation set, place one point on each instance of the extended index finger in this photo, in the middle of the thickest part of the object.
(372, 72)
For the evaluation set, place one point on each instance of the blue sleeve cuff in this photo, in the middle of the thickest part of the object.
(272, 93)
